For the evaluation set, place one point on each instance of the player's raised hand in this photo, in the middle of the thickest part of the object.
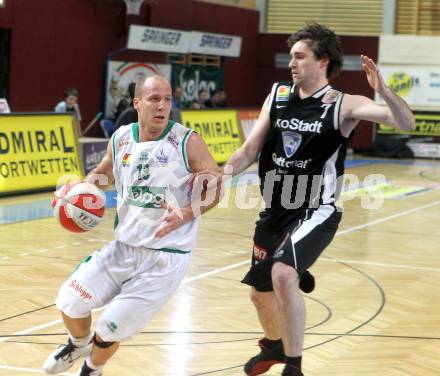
(374, 77)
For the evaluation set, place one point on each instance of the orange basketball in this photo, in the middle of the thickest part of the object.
(79, 207)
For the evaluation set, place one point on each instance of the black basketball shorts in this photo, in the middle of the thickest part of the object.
(294, 237)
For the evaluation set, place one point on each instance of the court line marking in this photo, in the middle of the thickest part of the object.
(233, 266)
(31, 370)
(396, 215)
(372, 263)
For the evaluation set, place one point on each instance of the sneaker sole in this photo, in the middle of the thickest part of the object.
(262, 367)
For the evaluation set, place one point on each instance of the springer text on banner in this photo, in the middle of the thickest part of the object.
(36, 150)
(219, 129)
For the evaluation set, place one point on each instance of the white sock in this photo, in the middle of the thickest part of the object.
(91, 365)
(81, 342)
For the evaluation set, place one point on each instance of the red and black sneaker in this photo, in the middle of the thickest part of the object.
(291, 371)
(265, 359)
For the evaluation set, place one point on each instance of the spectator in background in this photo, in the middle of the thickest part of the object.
(129, 114)
(177, 98)
(126, 102)
(214, 101)
(201, 100)
(70, 104)
(222, 102)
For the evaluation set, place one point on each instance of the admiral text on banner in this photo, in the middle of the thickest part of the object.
(36, 150)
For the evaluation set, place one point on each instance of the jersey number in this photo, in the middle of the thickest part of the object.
(143, 171)
(326, 108)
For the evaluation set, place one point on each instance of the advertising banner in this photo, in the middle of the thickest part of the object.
(158, 39)
(148, 38)
(193, 78)
(36, 150)
(215, 44)
(219, 129)
(93, 150)
(120, 74)
(419, 86)
(4, 107)
(426, 125)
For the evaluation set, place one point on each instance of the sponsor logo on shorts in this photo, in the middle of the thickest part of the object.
(80, 290)
(278, 253)
(260, 254)
(112, 326)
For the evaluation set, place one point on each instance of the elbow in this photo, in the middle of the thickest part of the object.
(413, 123)
(407, 125)
(410, 125)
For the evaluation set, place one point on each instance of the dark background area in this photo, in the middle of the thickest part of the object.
(54, 45)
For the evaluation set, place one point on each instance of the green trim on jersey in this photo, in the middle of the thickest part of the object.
(185, 156)
(135, 131)
(172, 250)
(116, 221)
(113, 148)
(166, 130)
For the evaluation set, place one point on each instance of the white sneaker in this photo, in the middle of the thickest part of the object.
(64, 357)
(85, 370)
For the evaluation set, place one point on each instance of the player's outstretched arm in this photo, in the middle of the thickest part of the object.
(356, 107)
(247, 154)
(102, 175)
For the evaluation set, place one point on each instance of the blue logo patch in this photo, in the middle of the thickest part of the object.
(162, 158)
(291, 142)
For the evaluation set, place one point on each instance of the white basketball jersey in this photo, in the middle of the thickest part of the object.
(146, 173)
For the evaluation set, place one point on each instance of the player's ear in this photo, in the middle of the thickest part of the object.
(136, 103)
(324, 62)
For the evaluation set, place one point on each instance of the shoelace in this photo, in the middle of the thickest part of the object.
(66, 353)
(86, 370)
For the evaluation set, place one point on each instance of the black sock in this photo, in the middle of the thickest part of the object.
(270, 344)
(294, 361)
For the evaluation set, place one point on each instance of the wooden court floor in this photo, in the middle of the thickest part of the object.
(375, 310)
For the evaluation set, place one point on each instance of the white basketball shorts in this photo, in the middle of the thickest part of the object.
(135, 283)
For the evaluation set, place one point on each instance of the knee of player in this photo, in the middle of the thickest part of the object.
(258, 299)
(99, 342)
(283, 276)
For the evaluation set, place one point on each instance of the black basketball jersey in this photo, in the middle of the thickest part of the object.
(304, 152)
